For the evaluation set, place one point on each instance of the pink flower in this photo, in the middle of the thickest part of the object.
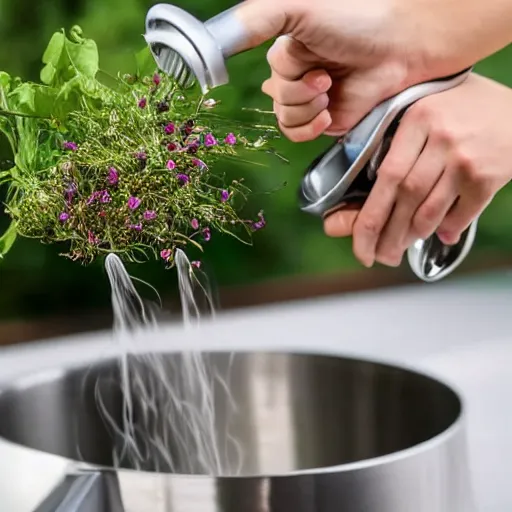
(149, 215)
(172, 147)
(207, 235)
(209, 140)
(113, 176)
(199, 163)
(171, 164)
(63, 217)
(230, 139)
(196, 264)
(156, 79)
(70, 146)
(133, 203)
(194, 223)
(182, 178)
(136, 227)
(169, 129)
(165, 254)
(143, 102)
(224, 196)
(91, 237)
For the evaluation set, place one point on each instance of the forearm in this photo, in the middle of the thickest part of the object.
(458, 33)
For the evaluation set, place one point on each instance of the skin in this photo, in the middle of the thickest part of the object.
(339, 59)
(451, 154)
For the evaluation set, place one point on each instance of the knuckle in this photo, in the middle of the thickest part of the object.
(367, 225)
(412, 188)
(390, 170)
(425, 219)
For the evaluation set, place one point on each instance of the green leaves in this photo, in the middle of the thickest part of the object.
(7, 239)
(145, 63)
(66, 58)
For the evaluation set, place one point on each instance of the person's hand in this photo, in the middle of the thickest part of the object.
(340, 58)
(451, 153)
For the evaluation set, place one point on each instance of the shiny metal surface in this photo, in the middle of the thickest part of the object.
(319, 434)
(191, 50)
(346, 172)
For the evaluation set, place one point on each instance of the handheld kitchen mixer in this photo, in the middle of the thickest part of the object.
(191, 50)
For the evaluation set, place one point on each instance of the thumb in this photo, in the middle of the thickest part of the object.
(259, 21)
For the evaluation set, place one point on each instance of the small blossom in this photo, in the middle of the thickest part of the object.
(135, 227)
(105, 197)
(113, 176)
(230, 139)
(149, 215)
(141, 155)
(196, 264)
(259, 224)
(171, 164)
(70, 191)
(169, 129)
(70, 146)
(63, 217)
(91, 238)
(209, 103)
(194, 223)
(165, 254)
(172, 146)
(209, 140)
(199, 163)
(162, 106)
(133, 203)
(224, 196)
(143, 102)
(182, 178)
(207, 235)
(192, 148)
(102, 214)
(156, 79)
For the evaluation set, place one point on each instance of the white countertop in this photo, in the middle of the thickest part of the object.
(458, 330)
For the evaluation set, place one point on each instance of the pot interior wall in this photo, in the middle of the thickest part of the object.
(270, 413)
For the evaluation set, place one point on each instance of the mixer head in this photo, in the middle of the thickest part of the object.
(185, 48)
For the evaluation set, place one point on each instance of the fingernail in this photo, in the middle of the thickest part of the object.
(445, 236)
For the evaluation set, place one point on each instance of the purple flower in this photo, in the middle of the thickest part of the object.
(199, 163)
(70, 191)
(91, 237)
(141, 155)
(196, 264)
(162, 106)
(171, 164)
(207, 235)
(259, 224)
(182, 178)
(230, 139)
(70, 146)
(209, 140)
(105, 197)
(194, 223)
(133, 203)
(63, 217)
(165, 254)
(169, 129)
(113, 176)
(224, 196)
(136, 227)
(156, 79)
(192, 148)
(149, 215)
(143, 102)
(172, 146)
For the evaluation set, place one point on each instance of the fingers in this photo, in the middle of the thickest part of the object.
(463, 213)
(413, 191)
(402, 155)
(433, 210)
(299, 92)
(341, 222)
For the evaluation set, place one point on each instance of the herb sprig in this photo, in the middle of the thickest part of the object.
(125, 165)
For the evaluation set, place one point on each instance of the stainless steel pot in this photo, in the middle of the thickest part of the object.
(317, 434)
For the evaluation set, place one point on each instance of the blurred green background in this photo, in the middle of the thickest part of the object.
(35, 281)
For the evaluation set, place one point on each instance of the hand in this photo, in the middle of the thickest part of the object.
(341, 58)
(451, 153)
